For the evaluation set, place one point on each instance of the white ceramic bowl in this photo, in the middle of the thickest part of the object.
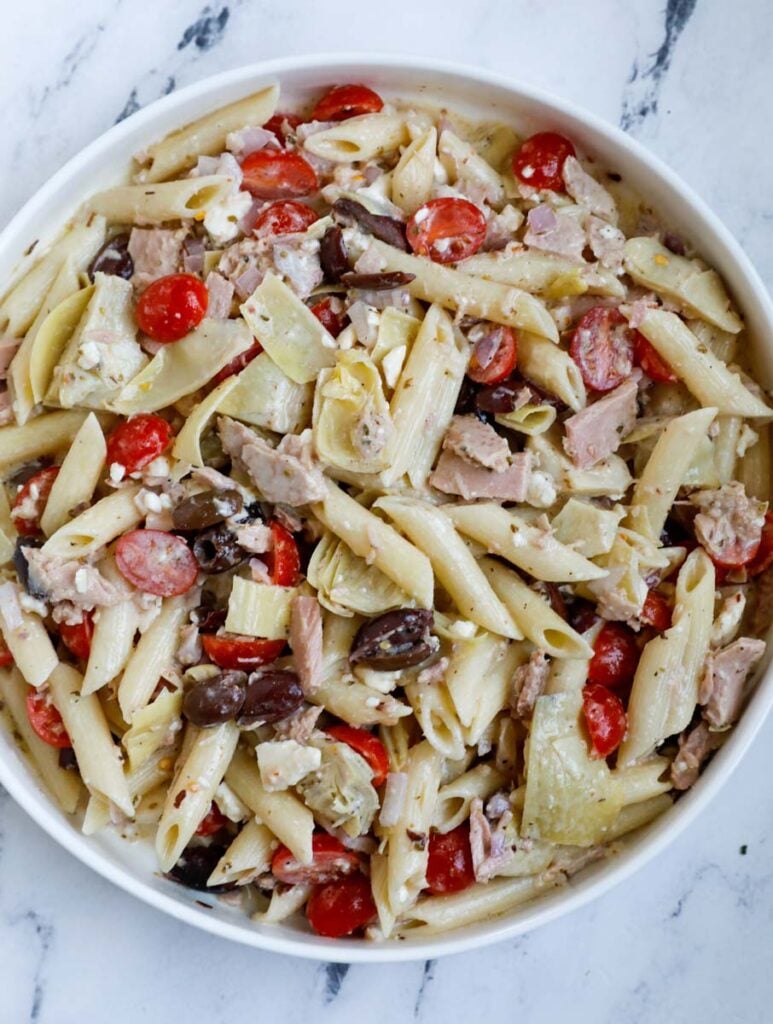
(482, 94)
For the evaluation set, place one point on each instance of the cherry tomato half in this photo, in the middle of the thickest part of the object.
(46, 720)
(276, 124)
(77, 637)
(237, 365)
(156, 562)
(647, 357)
(656, 612)
(764, 557)
(331, 860)
(284, 559)
(31, 500)
(736, 553)
(615, 656)
(213, 821)
(230, 650)
(446, 230)
(344, 101)
(605, 718)
(449, 868)
(327, 316)
(540, 161)
(284, 218)
(171, 307)
(6, 658)
(341, 907)
(135, 443)
(277, 174)
(494, 357)
(602, 348)
(367, 745)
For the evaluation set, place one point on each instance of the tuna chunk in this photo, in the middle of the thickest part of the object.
(80, 584)
(491, 851)
(560, 233)
(306, 641)
(694, 747)
(284, 474)
(155, 252)
(454, 475)
(477, 442)
(8, 347)
(6, 409)
(595, 432)
(221, 293)
(528, 684)
(253, 537)
(723, 686)
(296, 258)
(606, 243)
(586, 191)
(729, 523)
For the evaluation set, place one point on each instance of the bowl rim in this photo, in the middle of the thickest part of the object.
(659, 835)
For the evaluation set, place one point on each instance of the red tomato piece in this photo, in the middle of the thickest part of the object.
(446, 230)
(615, 656)
(494, 356)
(278, 174)
(46, 720)
(341, 907)
(276, 124)
(327, 316)
(602, 347)
(171, 307)
(6, 658)
(449, 868)
(367, 745)
(31, 500)
(77, 637)
(237, 365)
(735, 555)
(230, 650)
(213, 821)
(656, 612)
(605, 718)
(764, 557)
(331, 860)
(344, 101)
(156, 562)
(650, 361)
(540, 161)
(284, 218)
(136, 442)
(284, 560)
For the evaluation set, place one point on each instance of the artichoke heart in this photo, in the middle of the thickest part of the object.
(340, 792)
(346, 584)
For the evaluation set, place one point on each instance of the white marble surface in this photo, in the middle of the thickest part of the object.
(689, 938)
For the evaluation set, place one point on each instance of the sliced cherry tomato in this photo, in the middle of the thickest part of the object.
(77, 637)
(446, 230)
(344, 101)
(367, 745)
(656, 612)
(171, 307)
(327, 316)
(135, 443)
(449, 868)
(277, 174)
(602, 348)
(494, 356)
(605, 718)
(764, 557)
(615, 656)
(30, 502)
(6, 658)
(341, 907)
(736, 554)
(156, 562)
(230, 650)
(284, 559)
(650, 361)
(46, 720)
(540, 161)
(284, 218)
(276, 124)
(237, 365)
(213, 821)
(331, 860)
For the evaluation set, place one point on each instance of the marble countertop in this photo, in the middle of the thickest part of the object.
(689, 937)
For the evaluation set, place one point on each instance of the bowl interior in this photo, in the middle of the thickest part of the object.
(479, 95)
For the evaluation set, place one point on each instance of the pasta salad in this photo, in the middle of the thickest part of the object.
(384, 524)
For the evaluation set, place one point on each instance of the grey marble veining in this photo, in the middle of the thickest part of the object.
(689, 937)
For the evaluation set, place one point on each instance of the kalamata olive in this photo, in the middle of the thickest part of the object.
(215, 700)
(23, 473)
(377, 282)
(395, 640)
(332, 254)
(499, 397)
(67, 759)
(216, 550)
(386, 229)
(210, 619)
(113, 258)
(196, 864)
(553, 595)
(21, 565)
(581, 614)
(206, 509)
(466, 399)
(272, 694)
